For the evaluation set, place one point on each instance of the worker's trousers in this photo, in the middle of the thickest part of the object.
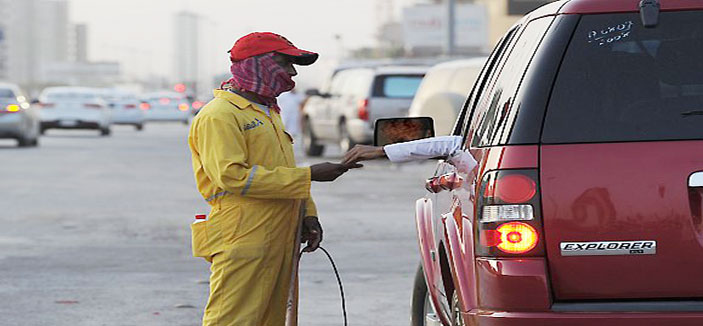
(250, 275)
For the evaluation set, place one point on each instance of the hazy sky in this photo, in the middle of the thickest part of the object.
(139, 33)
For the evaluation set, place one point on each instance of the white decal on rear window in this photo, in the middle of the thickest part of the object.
(610, 34)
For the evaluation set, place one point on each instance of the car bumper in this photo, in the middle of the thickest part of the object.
(70, 124)
(155, 115)
(360, 131)
(489, 318)
(11, 125)
(135, 118)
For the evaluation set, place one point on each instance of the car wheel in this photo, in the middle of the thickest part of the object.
(105, 131)
(310, 145)
(24, 141)
(345, 141)
(185, 122)
(422, 312)
(139, 127)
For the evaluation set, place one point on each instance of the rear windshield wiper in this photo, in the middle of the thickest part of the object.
(693, 112)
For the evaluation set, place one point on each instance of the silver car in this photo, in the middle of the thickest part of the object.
(345, 112)
(18, 119)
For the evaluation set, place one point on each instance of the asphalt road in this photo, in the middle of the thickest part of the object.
(95, 232)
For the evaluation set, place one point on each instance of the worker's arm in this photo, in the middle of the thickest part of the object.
(222, 149)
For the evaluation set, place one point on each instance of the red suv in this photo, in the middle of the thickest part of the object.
(586, 207)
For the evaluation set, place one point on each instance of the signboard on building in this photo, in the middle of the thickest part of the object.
(521, 7)
(425, 26)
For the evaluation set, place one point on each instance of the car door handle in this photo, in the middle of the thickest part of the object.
(695, 180)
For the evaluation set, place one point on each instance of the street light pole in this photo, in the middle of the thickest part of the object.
(449, 41)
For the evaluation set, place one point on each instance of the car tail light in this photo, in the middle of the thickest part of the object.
(12, 108)
(164, 100)
(92, 106)
(509, 221)
(364, 109)
(514, 188)
(197, 105)
(144, 106)
(183, 107)
(46, 105)
(130, 106)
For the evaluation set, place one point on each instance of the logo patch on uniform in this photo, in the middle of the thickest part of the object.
(609, 248)
(253, 124)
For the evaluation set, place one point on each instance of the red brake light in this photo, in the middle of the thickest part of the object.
(197, 105)
(183, 107)
(92, 106)
(130, 106)
(164, 100)
(512, 188)
(144, 106)
(517, 237)
(364, 109)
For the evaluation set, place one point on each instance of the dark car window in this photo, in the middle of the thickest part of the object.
(396, 86)
(622, 82)
(6, 93)
(467, 116)
(501, 98)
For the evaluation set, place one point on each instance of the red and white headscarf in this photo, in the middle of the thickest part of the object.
(261, 75)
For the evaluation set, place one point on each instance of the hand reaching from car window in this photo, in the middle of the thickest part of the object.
(363, 153)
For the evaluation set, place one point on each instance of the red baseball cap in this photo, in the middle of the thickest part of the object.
(254, 44)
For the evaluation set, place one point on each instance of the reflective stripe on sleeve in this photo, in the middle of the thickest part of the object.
(217, 195)
(250, 180)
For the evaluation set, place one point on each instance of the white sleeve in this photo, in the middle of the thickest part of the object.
(423, 149)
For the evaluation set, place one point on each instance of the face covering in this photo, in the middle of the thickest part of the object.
(261, 75)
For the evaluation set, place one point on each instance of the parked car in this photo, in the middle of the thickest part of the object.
(125, 107)
(18, 119)
(166, 106)
(586, 207)
(442, 92)
(345, 113)
(74, 108)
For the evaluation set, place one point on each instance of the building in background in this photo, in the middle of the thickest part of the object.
(425, 29)
(4, 12)
(503, 14)
(80, 43)
(186, 48)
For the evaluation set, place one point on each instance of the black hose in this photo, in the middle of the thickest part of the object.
(339, 282)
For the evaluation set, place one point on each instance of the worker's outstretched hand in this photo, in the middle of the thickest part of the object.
(330, 171)
(363, 153)
(312, 233)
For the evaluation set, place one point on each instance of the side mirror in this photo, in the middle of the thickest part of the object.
(398, 130)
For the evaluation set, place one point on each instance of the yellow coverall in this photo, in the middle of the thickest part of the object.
(245, 169)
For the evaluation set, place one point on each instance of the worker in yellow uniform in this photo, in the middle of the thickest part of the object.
(244, 168)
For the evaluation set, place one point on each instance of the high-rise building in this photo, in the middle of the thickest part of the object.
(3, 40)
(186, 48)
(80, 43)
(36, 36)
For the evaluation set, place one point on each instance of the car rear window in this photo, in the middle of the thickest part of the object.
(71, 96)
(620, 81)
(6, 93)
(396, 86)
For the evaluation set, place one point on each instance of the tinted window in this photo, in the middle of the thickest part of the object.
(6, 93)
(396, 86)
(622, 82)
(501, 98)
(487, 73)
